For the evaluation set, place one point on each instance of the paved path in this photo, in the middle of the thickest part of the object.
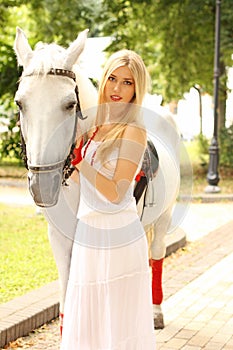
(198, 288)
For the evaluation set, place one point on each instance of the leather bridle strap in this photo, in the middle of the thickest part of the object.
(55, 71)
(45, 168)
(64, 163)
(63, 72)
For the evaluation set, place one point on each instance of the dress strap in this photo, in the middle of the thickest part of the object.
(89, 141)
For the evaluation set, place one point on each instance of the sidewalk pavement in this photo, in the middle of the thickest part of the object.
(198, 290)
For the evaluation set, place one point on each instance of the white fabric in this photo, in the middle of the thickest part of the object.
(108, 302)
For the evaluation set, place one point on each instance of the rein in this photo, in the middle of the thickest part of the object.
(67, 168)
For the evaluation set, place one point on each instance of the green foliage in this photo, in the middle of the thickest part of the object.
(26, 257)
(10, 139)
(61, 22)
(175, 38)
(226, 146)
(202, 149)
(198, 150)
(202, 144)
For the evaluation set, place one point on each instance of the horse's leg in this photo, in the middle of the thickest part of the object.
(62, 223)
(158, 251)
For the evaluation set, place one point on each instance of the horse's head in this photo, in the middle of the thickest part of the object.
(48, 102)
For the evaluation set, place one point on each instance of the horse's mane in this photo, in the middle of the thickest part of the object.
(44, 57)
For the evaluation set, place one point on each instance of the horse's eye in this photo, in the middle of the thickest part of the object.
(19, 104)
(70, 106)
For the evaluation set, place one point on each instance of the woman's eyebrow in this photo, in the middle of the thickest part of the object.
(114, 76)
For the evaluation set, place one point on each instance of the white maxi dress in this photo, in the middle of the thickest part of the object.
(108, 302)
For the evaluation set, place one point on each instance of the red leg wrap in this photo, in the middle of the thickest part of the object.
(61, 323)
(157, 291)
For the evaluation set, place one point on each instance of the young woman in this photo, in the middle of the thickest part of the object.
(108, 301)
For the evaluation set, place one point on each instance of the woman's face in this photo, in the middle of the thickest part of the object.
(120, 86)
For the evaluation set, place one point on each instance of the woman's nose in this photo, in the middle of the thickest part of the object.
(117, 86)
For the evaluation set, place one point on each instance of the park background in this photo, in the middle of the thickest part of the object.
(176, 39)
(177, 42)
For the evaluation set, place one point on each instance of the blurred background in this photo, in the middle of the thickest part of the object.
(176, 39)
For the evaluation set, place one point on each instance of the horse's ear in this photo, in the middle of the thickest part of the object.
(22, 48)
(75, 49)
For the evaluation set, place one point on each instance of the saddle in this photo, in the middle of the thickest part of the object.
(148, 170)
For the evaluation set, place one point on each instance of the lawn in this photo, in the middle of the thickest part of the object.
(199, 164)
(26, 257)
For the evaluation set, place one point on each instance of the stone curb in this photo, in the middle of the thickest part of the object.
(207, 198)
(28, 312)
(22, 315)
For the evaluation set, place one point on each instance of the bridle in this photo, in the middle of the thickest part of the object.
(67, 168)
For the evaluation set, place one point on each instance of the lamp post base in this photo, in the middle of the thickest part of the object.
(212, 175)
(212, 189)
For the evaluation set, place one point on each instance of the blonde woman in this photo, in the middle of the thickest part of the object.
(108, 302)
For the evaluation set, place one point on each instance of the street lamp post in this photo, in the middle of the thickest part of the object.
(212, 175)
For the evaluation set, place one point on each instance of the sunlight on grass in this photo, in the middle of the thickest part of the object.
(26, 258)
(200, 162)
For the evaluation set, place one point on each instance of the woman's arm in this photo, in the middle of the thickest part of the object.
(132, 148)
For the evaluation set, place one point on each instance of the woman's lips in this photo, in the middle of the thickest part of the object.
(115, 98)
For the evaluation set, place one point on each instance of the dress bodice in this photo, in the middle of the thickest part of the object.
(103, 223)
(91, 199)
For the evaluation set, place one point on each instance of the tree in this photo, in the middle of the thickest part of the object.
(9, 74)
(61, 21)
(176, 40)
(47, 21)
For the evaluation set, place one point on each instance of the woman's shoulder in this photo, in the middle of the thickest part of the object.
(135, 132)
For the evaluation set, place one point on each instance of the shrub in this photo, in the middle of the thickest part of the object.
(10, 139)
(202, 148)
(226, 146)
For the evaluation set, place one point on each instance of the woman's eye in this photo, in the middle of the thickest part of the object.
(127, 82)
(111, 78)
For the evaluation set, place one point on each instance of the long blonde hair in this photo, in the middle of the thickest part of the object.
(132, 113)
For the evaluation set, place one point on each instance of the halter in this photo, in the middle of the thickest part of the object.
(67, 169)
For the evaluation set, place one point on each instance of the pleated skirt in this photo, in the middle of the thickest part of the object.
(108, 301)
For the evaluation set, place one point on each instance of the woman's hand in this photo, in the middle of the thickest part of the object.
(132, 148)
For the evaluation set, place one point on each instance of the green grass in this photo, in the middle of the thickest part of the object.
(200, 168)
(26, 257)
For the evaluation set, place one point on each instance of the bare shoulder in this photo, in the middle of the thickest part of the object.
(135, 133)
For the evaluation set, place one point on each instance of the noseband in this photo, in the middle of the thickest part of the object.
(67, 168)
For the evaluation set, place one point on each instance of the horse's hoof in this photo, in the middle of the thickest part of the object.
(158, 321)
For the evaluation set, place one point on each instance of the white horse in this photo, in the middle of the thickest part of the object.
(49, 104)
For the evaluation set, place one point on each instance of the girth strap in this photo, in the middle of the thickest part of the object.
(149, 169)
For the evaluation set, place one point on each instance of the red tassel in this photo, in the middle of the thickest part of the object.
(61, 323)
(139, 175)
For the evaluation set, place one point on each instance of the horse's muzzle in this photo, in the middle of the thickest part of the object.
(45, 187)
